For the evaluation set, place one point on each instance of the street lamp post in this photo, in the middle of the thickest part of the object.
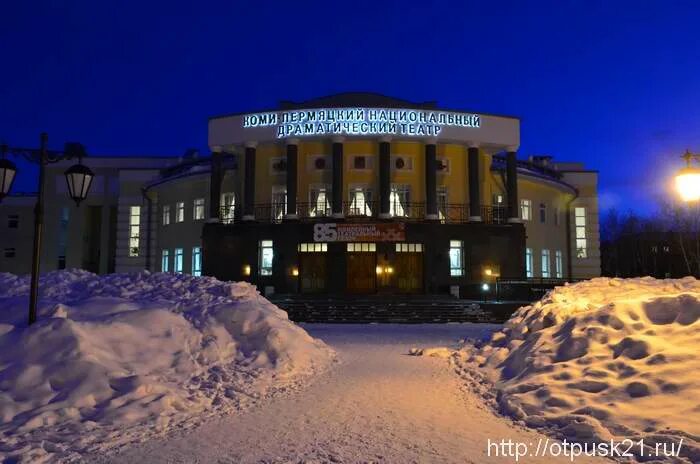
(688, 178)
(78, 177)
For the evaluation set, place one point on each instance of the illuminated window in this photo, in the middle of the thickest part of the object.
(361, 247)
(178, 260)
(319, 201)
(409, 247)
(197, 261)
(265, 256)
(198, 211)
(528, 262)
(399, 199)
(456, 258)
(134, 230)
(545, 264)
(558, 264)
(442, 203)
(279, 202)
(228, 207)
(166, 215)
(360, 202)
(525, 209)
(543, 213)
(581, 243)
(313, 247)
(165, 261)
(180, 211)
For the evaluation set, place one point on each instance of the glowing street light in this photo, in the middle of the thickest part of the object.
(688, 179)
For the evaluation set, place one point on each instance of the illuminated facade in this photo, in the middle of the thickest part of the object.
(354, 193)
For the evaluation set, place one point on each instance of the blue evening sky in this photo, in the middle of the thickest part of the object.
(611, 83)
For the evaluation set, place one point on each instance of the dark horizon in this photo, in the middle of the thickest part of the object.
(609, 86)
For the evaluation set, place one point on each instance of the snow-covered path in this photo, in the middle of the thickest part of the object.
(377, 405)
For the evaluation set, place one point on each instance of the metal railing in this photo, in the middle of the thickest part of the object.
(452, 213)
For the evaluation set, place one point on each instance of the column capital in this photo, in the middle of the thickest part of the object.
(337, 139)
(430, 141)
(385, 139)
(474, 145)
(512, 148)
(291, 141)
(251, 144)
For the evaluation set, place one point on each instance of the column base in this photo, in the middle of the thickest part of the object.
(475, 219)
(385, 216)
(338, 216)
(291, 217)
(515, 221)
(248, 217)
(431, 217)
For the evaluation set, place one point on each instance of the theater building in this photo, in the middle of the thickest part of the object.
(348, 194)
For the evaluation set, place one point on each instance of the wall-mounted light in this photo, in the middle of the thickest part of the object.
(485, 287)
(380, 270)
(488, 271)
(389, 270)
(295, 271)
(246, 269)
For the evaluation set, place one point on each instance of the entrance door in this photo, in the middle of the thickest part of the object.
(361, 272)
(409, 267)
(312, 272)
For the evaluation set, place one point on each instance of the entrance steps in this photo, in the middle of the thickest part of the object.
(406, 309)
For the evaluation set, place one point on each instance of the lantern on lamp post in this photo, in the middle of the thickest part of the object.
(78, 176)
(688, 178)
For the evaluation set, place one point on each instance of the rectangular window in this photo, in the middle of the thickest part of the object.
(166, 215)
(265, 256)
(581, 243)
(134, 230)
(456, 258)
(409, 248)
(165, 261)
(178, 260)
(180, 211)
(12, 221)
(558, 264)
(556, 216)
(525, 209)
(10, 252)
(399, 201)
(442, 203)
(279, 202)
(545, 264)
(543, 213)
(313, 247)
(360, 202)
(319, 201)
(361, 247)
(198, 211)
(528, 263)
(228, 207)
(197, 261)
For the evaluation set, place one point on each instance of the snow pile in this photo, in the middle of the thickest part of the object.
(112, 352)
(599, 360)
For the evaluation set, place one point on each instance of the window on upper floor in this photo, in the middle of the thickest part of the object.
(166, 215)
(399, 200)
(360, 201)
(543, 213)
(180, 211)
(279, 202)
(198, 209)
(228, 207)
(525, 209)
(319, 201)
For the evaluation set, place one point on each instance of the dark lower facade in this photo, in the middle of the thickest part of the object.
(372, 258)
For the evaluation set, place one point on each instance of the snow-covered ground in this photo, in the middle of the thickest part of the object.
(377, 405)
(118, 358)
(605, 359)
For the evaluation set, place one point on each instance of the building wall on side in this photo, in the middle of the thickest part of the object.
(587, 184)
(18, 239)
(188, 233)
